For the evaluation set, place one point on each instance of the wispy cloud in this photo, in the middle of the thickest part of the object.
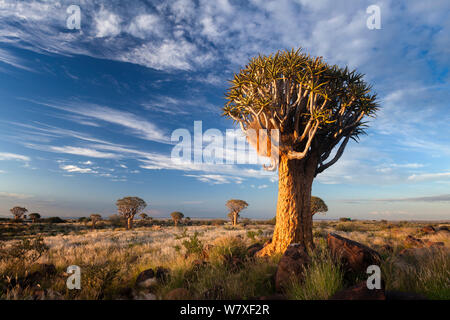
(14, 195)
(137, 125)
(13, 156)
(429, 176)
(216, 178)
(73, 168)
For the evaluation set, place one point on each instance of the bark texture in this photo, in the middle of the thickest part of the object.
(294, 219)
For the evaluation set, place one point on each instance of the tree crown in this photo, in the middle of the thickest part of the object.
(313, 105)
(34, 215)
(176, 215)
(236, 205)
(318, 205)
(18, 211)
(130, 206)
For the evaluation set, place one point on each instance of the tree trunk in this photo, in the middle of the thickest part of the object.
(235, 215)
(293, 219)
(130, 223)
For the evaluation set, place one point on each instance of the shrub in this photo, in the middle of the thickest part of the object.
(25, 251)
(53, 220)
(193, 246)
(253, 234)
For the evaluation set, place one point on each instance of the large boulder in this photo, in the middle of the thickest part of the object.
(359, 292)
(146, 279)
(291, 266)
(354, 256)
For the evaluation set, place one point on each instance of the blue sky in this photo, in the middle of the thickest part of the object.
(86, 115)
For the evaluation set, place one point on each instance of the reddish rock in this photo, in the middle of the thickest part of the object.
(428, 230)
(291, 266)
(178, 294)
(359, 292)
(354, 256)
(411, 241)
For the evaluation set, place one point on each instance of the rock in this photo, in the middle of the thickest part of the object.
(411, 241)
(355, 257)
(178, 294)
(253, 249)
(359, 292)
(428, 230)
(291, 266)
(162, 274)
(276, 296)
(399, 295)
(435, 244)
(444, 228)
(146, 279)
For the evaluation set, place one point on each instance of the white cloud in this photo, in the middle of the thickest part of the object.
(73, 168)
(215, 178)
(146, 25)
(429, 176)
(85, 152)
(107, 23)
(13, 156)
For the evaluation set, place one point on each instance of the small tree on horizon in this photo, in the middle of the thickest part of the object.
(176, 217)
(235, 206)
(34, 216)
(143, 216)
(318, 205)
(18, 212)
(94, 218)
(128, 207)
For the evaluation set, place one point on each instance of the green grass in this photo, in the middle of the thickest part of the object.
(322, 278)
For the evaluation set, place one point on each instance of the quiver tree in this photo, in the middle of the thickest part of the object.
(318, 205)
(94, 218)
(128, 207)
(176, 217)
(306, 109)
(143, 216)
(18, 212)
(235, 206)
(34, 216)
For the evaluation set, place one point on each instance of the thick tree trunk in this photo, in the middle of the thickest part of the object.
(130, 223)
(235, 218)
(293, 219)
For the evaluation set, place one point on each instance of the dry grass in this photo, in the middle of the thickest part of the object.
(111, 259)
